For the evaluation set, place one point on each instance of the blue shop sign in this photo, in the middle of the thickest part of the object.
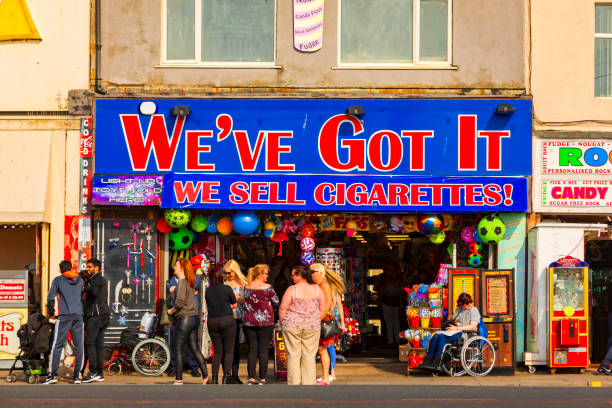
(345, 193)
(314, 137)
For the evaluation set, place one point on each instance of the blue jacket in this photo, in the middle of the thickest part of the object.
(69, 291)
(173, 281)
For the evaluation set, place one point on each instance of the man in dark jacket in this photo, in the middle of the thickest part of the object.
(68, 287)
(98, 316)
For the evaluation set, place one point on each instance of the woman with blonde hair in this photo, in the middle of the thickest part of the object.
(185, 311)
(260, 299)
(319, 276)
(338, 289)
(237, 281)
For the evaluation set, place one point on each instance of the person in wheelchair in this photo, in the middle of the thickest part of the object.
(466, 319)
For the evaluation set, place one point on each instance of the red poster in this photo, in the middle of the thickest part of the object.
(71, 239)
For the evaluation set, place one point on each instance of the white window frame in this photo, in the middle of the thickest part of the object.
(197, 61)
(599, 35)
(417, 63)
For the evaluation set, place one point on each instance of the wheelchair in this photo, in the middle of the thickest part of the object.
(474, 356)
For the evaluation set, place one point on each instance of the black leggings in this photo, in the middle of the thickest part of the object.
(222, 332)
(236, 362)
(259, 343)
(186, 335)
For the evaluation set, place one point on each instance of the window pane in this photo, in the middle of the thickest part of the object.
(376, 31)
(238, 30)
(180, 17)
(434, 30)
(603, 19)
(603, 67)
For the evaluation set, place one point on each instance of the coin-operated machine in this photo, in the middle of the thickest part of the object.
(497, 311)
(568, 319)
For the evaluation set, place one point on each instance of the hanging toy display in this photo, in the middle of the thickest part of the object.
(177, 218)
(438, 238)
(476, 236)
(269, 229)
(224, 226)
(307, 244)
(475, 259)
(180, 238)
(211, 228)
(245, 222)
(307, 258)
(467, 234)
(162, 226)
(307, 231)
(491, 229)
(396, 224)
(199, 223)
(351, 228)
(475, 247)
(430, 224)
(288, 226)
(280, 237)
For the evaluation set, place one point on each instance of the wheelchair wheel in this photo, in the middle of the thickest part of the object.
(114, 368)
(151, 357)
(478, 356)
(451, 366)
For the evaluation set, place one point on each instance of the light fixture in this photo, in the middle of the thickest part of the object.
(181, 110)
(505, 109)
(147, 108)
(355, 110)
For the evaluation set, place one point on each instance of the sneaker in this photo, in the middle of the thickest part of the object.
(51, 379)
(604, 369)
(76, 381)
(100, 377)
(90, 377)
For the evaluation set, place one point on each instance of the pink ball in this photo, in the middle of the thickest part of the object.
(467, 234)
(307, 244)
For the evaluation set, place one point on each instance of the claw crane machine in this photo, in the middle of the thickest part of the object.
(557, 326)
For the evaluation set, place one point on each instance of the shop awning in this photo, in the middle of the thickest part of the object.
(24, 173)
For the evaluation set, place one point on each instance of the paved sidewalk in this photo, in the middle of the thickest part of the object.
(383, 372)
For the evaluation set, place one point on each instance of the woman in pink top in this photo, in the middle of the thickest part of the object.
(300, 315)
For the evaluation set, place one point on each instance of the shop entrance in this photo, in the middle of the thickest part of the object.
(598, 254)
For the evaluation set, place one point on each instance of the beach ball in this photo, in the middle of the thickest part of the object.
(177, 218)
(491, 229)
(212, 225)
(199, 223)
(475, 247)
(245, 222)
(307, 258)
(224, 226)
(162, 225)
(180, 238)
(475, 259)
(467, 234)
(307, 244)
(438, 238)
(430, 224)
(269, 229)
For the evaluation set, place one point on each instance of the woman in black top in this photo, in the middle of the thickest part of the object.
(220, 300)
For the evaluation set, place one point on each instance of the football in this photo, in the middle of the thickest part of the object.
(475, 259)
(177, 218)
(475, 247)
(491, 229)
(180, 238)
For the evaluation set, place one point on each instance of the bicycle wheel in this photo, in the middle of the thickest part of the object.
(478, 356)
(451, 366)
(151, 357)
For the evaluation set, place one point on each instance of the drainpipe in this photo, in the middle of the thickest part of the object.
(98, 86)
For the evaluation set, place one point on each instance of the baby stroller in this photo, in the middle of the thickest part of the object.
(34, 343)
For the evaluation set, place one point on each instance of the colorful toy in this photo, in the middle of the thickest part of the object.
(476, 236)
(162, 225)
(351, 228)
(212, 225)
(475, 259)
(491, 229)
(430, 224)
(396, 224)
(467, 234)
(438, 238)
(269, 229)
(180, 238)
(475, 247)
(177, 218)
(288, 226)
(307, 258)
(280, 237)
(307, 231)
(307, 244)
(224, 225)
(245, 222)
(199, 223)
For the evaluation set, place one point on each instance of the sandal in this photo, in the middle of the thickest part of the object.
(178, 382)
(252, 382)
(322, 383)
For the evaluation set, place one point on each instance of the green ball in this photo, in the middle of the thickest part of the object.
(438, 238)
(199, 223)
(475, 259)
(177, 218)
(491, 229)
(180, 238)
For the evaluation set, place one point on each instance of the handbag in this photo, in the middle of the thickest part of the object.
(329, 328)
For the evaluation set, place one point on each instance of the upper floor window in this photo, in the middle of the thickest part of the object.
(603, 50)
(219, 32)
(395, 32)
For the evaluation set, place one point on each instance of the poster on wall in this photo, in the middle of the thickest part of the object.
(308, 25)
(127, 190)
(10, 321)
(577, 193)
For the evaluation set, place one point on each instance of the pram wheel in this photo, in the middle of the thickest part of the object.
(31, 379)
(114, 369)
(11, 378)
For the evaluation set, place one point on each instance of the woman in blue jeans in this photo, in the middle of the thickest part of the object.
(466, 319)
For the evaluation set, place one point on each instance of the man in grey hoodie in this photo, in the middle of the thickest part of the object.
(68, 287)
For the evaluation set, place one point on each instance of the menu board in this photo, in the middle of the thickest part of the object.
(497, 295)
